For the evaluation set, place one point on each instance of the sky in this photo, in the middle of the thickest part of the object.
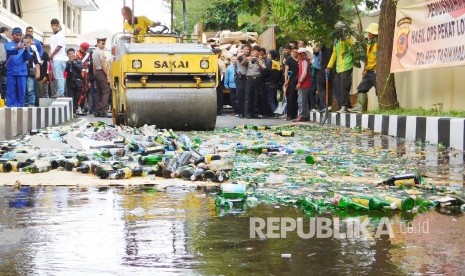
(109, 15)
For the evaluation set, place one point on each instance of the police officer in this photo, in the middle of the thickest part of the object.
(102, 78)
(253, 83)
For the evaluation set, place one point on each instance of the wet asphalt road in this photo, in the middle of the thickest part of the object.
(226, 120)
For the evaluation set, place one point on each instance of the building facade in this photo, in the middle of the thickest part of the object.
(23, 13)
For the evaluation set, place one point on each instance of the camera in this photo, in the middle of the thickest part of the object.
(240, 58)
(253, 60)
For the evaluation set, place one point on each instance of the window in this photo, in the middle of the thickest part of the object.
(64, 13)
(74, 21)
(16, 7)
(4, 3)
(69, 22)
(77, 23)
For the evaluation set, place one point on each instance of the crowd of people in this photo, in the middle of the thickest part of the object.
(255, 77)
(29, 73)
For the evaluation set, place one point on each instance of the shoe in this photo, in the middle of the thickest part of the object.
(236, 115)
(324, 109)
(248, 117)
(362, 100)
(220, 113)
(357, 109)
(300, 119)
(241, 116)
(103, 114)
(342, 110)
(314, 110)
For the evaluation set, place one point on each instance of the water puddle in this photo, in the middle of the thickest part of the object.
(64, 231)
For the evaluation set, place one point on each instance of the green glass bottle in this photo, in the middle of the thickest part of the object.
(221, 176)
(198, 174)
(229, 190)
(186, 172)
(87, 167)
(403, 180)
(209, 175)
(308, 205)
(402, 203)
(374, 202)
(222, 202)
(152, 169)
(285, 133)
(344, 202)
(310, 159)
(72, 163)
(152, 150)
(161, 140)
(152, 159)
(82, 157)
(39, 167)
(5, 167)
(103, 171)
(14, 165)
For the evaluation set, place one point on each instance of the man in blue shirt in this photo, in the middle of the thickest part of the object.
(230, 83)
(17, 54)
(36, 42)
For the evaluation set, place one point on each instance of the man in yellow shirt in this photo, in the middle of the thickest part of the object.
(342, 59)
(141, 23)
(369, 70)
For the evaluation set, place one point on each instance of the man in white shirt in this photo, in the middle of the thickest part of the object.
(5, 33)
(58, 56)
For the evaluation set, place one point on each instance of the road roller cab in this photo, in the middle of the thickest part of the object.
(158, 79)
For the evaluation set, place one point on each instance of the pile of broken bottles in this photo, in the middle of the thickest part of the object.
(328, 169)
(112, 152)
(317, 169)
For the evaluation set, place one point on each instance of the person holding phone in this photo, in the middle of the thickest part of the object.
(17, 56)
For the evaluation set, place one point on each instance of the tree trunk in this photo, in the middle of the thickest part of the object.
(385, 85)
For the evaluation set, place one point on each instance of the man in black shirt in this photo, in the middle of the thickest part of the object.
(272, 79)
(291, 70)
(325, 53)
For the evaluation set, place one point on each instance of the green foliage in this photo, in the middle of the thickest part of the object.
(420, 112)
(195, 11)
(222, 15)
(312, 20)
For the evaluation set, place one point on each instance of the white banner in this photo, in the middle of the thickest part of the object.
(429, 34)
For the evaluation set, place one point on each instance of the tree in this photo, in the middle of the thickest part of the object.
(385, 85)
(195, 12)
(222, 16)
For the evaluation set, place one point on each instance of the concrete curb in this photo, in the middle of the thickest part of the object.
(449, 132)
(16, 121)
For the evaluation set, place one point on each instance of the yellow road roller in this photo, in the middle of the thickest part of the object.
(159, 79)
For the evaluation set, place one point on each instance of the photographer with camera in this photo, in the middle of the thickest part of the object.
(74, 78)
(241, 71)
(17, 55)
(253, 82)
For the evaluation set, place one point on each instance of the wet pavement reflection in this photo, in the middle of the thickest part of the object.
(115, 231)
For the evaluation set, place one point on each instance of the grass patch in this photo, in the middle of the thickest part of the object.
(420, 112)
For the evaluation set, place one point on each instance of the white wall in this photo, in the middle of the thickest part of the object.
(423, 88)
